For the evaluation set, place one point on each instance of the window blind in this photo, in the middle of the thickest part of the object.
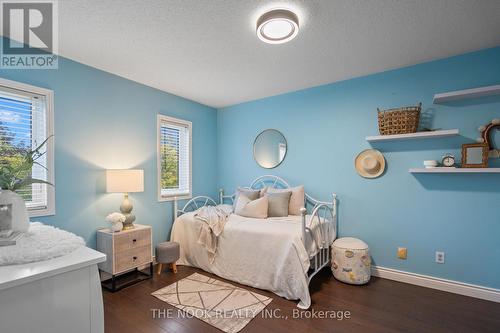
(23, 124)
(175, 164)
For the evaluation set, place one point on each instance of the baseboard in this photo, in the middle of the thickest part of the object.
(489, 294)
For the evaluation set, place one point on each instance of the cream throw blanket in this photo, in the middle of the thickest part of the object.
(214, 219)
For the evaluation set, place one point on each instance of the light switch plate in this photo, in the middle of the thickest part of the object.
(402, 253)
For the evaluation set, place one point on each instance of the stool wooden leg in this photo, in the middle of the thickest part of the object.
(159, 268)
(174, 267)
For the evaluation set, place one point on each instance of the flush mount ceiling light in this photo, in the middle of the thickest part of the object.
(277, 26)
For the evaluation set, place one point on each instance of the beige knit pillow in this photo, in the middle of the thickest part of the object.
(251, 208)
(296, 199)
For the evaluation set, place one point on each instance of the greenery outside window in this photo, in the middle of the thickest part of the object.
(26, 118)
(174, 158)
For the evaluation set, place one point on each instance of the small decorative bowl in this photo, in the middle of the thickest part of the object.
(430, 164)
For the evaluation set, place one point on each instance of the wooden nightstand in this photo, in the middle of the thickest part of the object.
(125, 251)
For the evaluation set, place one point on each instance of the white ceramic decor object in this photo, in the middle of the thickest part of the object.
(19, 213)
(116, 227)
(116, 220)
(430, 163)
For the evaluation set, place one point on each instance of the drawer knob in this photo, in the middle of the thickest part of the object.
(135, 258)
(134, 240)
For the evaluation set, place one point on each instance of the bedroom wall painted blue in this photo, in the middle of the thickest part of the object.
(326, 127)
(105, 121)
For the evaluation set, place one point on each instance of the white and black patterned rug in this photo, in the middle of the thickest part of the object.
(217, 303)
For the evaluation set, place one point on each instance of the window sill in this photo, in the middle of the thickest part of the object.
(41, 212)
(174, 197)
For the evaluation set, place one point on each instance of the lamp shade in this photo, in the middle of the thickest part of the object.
(124, 181)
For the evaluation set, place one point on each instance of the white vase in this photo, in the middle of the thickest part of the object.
(20, 219)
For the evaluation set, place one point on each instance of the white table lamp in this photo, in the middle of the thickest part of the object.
(125, 181)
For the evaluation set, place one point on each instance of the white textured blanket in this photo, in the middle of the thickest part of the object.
(41, 242)
(214, 219)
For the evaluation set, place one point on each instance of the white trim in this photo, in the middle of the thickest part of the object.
(174, 198)
(159, 119)
(49, 97)
(456, 287)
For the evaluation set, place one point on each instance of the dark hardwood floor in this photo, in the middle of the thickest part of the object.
(380, 306)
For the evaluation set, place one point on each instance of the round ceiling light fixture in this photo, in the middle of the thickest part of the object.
(277, 26)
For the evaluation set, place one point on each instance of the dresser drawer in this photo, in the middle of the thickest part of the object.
(132, 240)
(132, 258)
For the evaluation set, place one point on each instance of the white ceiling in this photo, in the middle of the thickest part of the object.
(207, 51)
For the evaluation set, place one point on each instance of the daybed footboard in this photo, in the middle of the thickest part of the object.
(325, 215)
(192, 205)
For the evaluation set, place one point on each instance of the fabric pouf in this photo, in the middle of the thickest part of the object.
(167, 253)
(351, 261)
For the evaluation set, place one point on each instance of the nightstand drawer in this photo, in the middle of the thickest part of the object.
(132, 240)
(132, 258)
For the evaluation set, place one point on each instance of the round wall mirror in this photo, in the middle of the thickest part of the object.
(269, 148)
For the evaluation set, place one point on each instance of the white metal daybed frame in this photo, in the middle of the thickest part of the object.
(324, 212)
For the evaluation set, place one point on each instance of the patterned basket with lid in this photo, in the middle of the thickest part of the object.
(401, 120)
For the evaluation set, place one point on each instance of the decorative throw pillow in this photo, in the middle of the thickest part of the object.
(248, 192)
(252, 208)
(278, 203)
(297, 198)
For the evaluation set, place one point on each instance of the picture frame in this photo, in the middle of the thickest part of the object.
(475, 155)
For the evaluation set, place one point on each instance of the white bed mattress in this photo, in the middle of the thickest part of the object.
(266, 254)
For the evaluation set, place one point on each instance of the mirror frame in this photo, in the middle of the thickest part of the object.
(255, 140)
(484, 163)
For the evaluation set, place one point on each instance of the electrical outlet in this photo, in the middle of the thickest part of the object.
(402, 253)
(440, 257)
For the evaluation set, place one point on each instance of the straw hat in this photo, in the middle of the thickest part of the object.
(370, 163)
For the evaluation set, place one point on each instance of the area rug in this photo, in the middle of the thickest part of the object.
(217, 303)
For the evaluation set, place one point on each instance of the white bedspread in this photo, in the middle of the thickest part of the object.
(266, 254)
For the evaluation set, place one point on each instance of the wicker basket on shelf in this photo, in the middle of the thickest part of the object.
(402, 120)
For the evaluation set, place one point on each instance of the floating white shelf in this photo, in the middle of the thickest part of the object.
(468, 93)
(455, 170)
(418, 135)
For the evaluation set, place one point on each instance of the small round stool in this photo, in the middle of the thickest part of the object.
(351, 261)
(167, 253)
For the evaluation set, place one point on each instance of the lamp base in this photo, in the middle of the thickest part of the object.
(129, 221)
(126, 209)
(128, 226)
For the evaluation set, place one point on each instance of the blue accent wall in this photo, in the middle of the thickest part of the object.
(103, 121)
(326, 128)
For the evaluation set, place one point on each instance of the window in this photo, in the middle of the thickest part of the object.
(26, 122)
(174, 158)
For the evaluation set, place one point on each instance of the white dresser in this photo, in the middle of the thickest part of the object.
(59, 295)
(125, 250)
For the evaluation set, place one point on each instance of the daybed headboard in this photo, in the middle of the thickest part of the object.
(311, 204)
(279, 183)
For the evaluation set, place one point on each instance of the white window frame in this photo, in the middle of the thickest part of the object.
(49, 119)
(175, 121)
